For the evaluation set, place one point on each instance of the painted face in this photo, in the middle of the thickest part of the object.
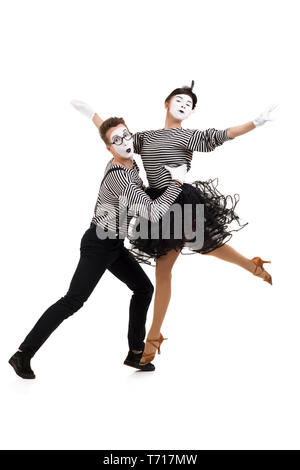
(122, 142)
(181, 106)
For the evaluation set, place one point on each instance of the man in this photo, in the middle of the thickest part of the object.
(102, 248)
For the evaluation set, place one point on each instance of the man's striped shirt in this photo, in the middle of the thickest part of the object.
(123, 189)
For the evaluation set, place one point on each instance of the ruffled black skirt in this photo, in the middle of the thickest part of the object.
(218, 212)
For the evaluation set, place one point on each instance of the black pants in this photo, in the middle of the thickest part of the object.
(95, 257)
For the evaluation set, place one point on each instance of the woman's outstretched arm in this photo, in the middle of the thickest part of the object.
(233, 132)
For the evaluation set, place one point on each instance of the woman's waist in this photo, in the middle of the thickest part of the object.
(156, 192)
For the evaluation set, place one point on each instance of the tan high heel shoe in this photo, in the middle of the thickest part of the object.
(259, 264)
(150, 356)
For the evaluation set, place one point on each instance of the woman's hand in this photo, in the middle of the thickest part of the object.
(265, 116)
(177, 173)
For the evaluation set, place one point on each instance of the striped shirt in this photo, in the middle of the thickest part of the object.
(173, 147)
(121, 196)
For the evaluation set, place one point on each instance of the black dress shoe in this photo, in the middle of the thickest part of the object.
(20, 361)
(133, 360)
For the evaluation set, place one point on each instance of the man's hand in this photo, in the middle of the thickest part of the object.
(265, 116)
(177, 173)
(83, 108)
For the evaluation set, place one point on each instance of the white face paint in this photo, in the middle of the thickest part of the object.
(181, 106)
(125, 147)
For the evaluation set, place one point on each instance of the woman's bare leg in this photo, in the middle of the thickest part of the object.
(227, 253)
(163, 274)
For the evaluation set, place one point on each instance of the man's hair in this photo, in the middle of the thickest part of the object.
(184, 90)
(108, 124)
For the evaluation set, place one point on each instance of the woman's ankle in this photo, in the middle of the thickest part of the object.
(252, 267)
(153, 334)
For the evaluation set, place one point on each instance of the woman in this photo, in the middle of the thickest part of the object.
(175, 145)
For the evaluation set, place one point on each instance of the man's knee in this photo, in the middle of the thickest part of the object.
(71, 304)
(150, 289)
(146, 290)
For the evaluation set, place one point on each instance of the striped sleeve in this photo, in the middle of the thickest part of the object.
(138, 140)
(140, 203)
(135, 165)
(208, 140)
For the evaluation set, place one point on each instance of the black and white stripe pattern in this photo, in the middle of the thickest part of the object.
(124, 188)
(173, 147)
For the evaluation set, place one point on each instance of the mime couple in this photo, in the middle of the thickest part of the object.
(166, 155)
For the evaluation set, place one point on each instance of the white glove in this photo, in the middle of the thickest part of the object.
(83, 108)
(178, 172)
(265, 116)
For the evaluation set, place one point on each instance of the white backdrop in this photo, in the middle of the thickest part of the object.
(228, 376)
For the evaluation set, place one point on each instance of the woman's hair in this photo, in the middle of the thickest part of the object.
(184, 90)
(107, 124)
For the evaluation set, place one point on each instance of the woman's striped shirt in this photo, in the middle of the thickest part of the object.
(122, 189)
(173, 147)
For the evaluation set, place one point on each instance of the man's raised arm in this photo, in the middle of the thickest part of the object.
(87, 111)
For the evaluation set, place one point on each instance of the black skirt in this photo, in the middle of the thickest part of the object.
(218, 212)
